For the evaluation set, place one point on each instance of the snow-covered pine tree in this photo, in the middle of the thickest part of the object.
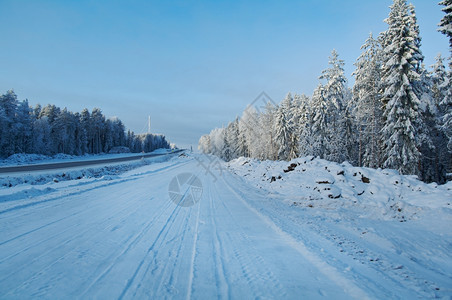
(367, 99)
(445, 26)
(251, 130)
(204, 144)
(233, 137)
(290, 112)
(350, 134)
(226, 152)
(242, 146)
(438, 77)
(269, 135)
(318, 139)
(446, 108)
(41, 136)
(282, 132)
(305, 125)
(334, 94)
(417, 58)
(401, 104)
(8, 132)
(24, 127)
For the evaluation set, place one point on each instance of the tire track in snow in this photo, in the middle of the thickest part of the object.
(97, 185)
(61, 233)
(348, 286)
(65, 194)
(254, 267)
(42, 270)
(134, 240)
(161, 235)
(218, 249)
(166, 275)
(193, 255)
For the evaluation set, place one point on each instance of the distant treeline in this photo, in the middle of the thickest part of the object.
(50, 130)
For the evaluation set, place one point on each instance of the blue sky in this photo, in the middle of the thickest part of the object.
(191, 65)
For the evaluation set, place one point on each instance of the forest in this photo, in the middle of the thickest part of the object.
(397, 115)
(50, 130)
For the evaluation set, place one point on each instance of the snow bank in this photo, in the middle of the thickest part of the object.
(42, 177)
(317, 183)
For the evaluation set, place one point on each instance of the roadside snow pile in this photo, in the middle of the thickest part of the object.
(34, 178)
(108, 172)
(23, 159)
(27, 159)
(317, 183)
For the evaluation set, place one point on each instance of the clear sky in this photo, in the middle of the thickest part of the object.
(191, 65)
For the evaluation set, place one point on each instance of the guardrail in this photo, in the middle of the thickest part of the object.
(71, 164)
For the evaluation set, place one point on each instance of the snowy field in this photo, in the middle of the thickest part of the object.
(301, 229)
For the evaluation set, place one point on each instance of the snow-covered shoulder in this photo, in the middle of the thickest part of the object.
(373, 193)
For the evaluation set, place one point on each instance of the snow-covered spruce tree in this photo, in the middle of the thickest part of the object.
(441, 92)
(226, 153)
(269, 134)
(204, 144)
(242, 147)
(298, 119)
(289, 108)
(250, 131)
(318, 139)
(24, 127)
(8, 132)
(282, 132)
(446, 108)
(233, 137)
(367, 99)
(438, 77)
(401, 104)
(350, 142)
(335, 97)
(305, 127)
(431, 139)
(445, 26)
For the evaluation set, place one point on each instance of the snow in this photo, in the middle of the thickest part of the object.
(28, 159)
(73, 173)
(121, 236)
(377, 194)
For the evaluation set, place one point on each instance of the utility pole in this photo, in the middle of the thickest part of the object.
(149, 124)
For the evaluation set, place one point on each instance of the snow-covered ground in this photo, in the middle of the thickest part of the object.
(362, 221)
(324, 232)
(31, 159)
(70, 173)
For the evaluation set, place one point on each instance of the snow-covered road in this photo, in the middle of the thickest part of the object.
(122, 237)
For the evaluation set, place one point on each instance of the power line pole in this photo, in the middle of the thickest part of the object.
(149, 124)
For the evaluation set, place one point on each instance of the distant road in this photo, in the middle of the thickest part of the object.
(71, 164)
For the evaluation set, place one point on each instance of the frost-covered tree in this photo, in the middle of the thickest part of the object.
(438, 77)
(289, 109)
(367, 99)
(282, 132)
(401, 104)
(305, 125)
(49, 130)
(23, 127)
(445, 26)
(9, 130)
(335, 94)
(269, 134)
(318, 139)
(41, 142)
(446, 108)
